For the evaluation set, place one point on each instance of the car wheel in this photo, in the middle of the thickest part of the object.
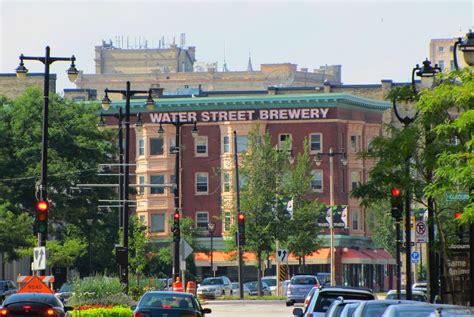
(290, 303)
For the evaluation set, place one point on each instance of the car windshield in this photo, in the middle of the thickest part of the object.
(166, 301)
(65, 288)
(325, 299)
(303, 280)
(270, 281)
(212, 281)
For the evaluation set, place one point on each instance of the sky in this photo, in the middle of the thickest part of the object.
(372, 40)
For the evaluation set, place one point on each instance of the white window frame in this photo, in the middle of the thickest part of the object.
(224, 144)
(355, 147)
(311, 151)
(151, 222)
(141, 181)
(227, 220)
(141, 147)
(316, 172)
(356, 179)
(162, 146)
(281, 142)
(197, 141)
(196, 183)
(239, 141)
(355, 217)
(226, 182)
(157, 188)
(202, 227)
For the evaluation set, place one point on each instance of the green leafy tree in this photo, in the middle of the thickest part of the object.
(138, 247)
(66, 253)
(303, 237)
(263, 167)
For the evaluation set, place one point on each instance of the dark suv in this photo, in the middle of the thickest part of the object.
(7, 288)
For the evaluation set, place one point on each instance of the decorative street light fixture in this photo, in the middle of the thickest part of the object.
(466, 45)
(211, 227)
(317, 160)
(106, 102)
(427, 74)
(21, 72)
(177, 150)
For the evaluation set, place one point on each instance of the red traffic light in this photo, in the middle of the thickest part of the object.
(241, 216)
(176, 215)
(395, 192)
(42, 205)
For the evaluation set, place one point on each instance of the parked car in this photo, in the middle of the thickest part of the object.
(420, 286)
(7, 287)
(453, 312)
(324, 296)
(308, 297)
(214, 287)
(160, 303)
(300, 286)
(272, 283)
(349, 309)
(253, 291)
(65, 292)
(416, 295)
(418, 309)
(236, 290)
(284, 286)
(338, 305)
(375, 308)
(34, 305)
(324, 278)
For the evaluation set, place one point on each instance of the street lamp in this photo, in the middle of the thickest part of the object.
(427, 74)
(89, 223)
(177, 149)
(127, 93)
(466, 45)
(21, 72)
(211, 227)
(317, 160)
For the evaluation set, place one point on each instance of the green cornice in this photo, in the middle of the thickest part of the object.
(331, 100)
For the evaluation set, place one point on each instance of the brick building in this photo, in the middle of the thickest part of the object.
(339, 121)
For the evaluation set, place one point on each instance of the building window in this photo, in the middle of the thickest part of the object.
(441, 65)
(142, 220)
(172, 145)
(141, 147)
(441, 48)
(157, 180)
(317, 180)
(242, 143)
(141, 189)
(202, 180)
(226, 146)
(157, 223)
(243, 180)
(355, 143)
(200, 146)
(355, 179)
(156, 146)
(202, 219)
(451, 48)
(282, 138)
(370, 145)
(451, 65)
(227, 221)
(315, 142)
(226, 182)
(355, 219)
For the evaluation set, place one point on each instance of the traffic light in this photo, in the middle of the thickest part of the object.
(397, 203)
(176, 229)
(42, 208)
(241, 228)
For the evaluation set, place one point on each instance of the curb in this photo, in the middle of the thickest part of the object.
(244, 301)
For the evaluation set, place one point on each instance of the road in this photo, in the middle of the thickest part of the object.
(236, 308)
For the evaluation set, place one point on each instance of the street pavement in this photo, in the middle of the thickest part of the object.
(250, 308)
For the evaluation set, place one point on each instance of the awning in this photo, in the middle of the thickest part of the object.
(366, 256)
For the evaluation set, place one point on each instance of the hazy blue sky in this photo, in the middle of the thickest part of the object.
(371, 40)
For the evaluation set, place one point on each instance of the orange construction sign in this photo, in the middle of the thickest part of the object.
(35, 285)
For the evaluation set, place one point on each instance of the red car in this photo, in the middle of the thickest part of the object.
(33, 305)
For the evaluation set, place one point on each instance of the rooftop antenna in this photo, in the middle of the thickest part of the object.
(224, 66)
(249, 65)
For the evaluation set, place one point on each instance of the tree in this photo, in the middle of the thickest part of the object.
(66, 253)
(263, 167)
(137, 247)
(303, 237)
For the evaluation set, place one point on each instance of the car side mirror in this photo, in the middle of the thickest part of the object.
(207, 311)
(297, 311)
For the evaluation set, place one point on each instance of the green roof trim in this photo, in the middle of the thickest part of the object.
(330, 100)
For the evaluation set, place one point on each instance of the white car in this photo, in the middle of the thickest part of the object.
(213, 287)
(272, 283)
(416, 295)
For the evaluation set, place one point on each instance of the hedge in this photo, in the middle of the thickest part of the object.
(117, 311)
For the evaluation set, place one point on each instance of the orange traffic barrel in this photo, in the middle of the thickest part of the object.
(191, 287)
(177, 286)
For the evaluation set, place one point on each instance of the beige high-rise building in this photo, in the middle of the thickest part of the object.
(441, 53)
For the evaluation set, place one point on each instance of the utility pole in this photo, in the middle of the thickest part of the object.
(239, 247)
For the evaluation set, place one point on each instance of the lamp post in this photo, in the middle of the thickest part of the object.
(211, 226)
(89, 223)
(427, 74)
(128, 93)
(177, 149)
(317, 160)
(21, 72)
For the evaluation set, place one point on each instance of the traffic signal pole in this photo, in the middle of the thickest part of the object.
(239, 246)
(176, 263)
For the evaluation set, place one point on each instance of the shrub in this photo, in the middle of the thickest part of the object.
(117, 311)
(98, 290)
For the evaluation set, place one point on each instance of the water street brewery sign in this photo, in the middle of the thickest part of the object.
(240, 115)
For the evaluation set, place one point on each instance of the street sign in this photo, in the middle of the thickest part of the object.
(457, 196)
(185, 249)
(415, 256)
(282, 255)
(35, 285)
(39, 258)
(412, 223)
(182, 265)
(421, 232)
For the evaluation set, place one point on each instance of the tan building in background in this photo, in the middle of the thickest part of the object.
(441, 53)
(11, 86)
